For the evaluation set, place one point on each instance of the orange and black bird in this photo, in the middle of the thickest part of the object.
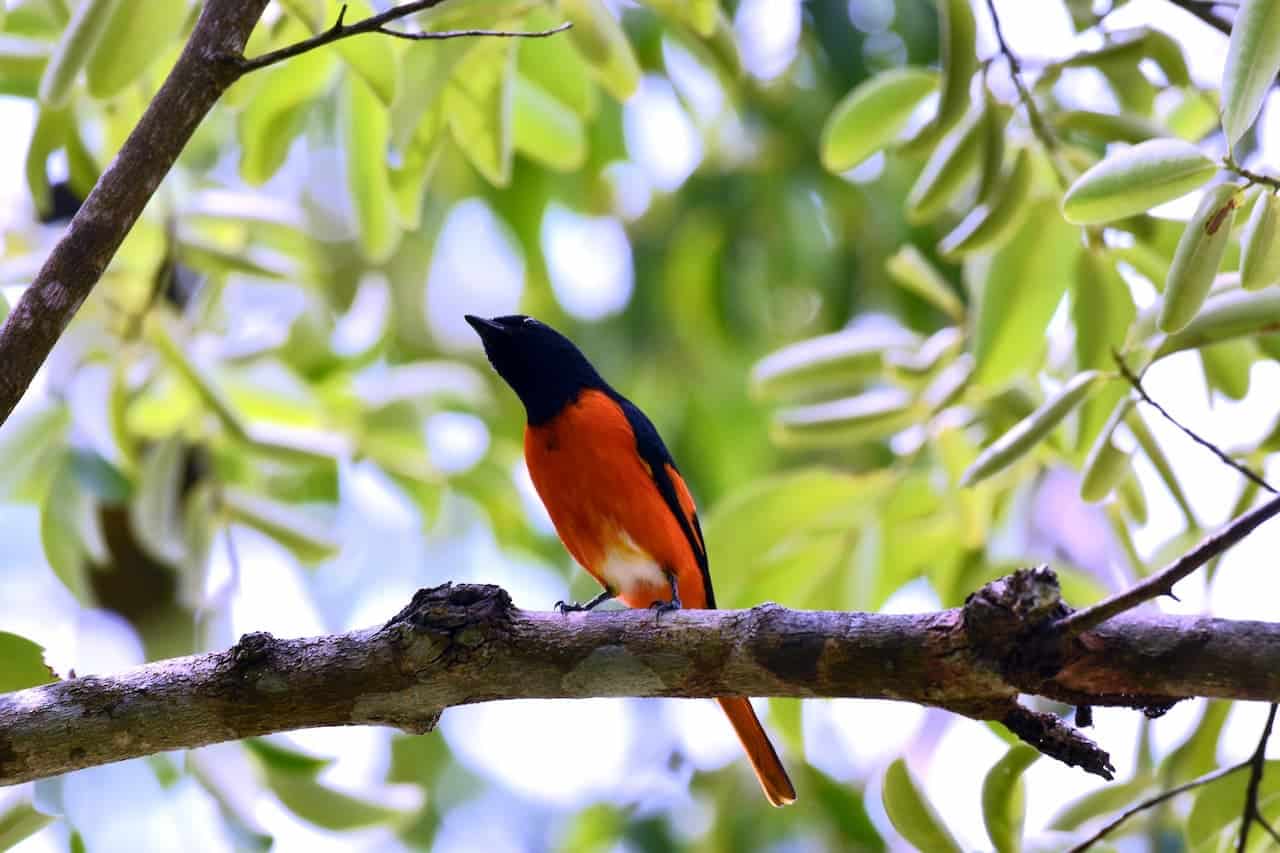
(613, 492)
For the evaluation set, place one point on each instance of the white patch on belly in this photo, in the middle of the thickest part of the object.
(628, 568)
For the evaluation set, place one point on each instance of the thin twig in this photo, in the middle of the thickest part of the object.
(1252, 177)
(1161, 583)
(1039, 127)
(1257, 765)
(1204, 11)
(378, 24)
(1155, 801)
(1205, 443)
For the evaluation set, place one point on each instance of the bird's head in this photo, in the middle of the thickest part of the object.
(545, 369)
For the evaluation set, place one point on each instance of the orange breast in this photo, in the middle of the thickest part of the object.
(605, 506)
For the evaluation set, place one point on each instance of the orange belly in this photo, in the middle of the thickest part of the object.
(606, 507)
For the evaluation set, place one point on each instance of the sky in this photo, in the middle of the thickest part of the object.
(589, 260)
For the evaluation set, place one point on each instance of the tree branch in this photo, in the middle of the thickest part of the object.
(455, 645)
(1161, 583)
(1152, 802)
(211, 61)
(378, 24)
(1257, 765)
(1204, 11)
(1223, 456)
(1039, 127)
(200, 76)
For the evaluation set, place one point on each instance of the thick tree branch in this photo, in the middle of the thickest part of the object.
(455, 645)
(200, 76)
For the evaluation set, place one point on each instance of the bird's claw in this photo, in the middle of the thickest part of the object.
(570, 607)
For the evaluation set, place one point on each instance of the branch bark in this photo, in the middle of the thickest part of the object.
(455, 645)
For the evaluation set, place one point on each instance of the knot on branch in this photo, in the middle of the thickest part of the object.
(253, 649)
(457, 621)
(1009, 622)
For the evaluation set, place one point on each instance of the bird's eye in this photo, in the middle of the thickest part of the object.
(529, 321)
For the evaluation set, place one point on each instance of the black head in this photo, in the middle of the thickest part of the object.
(542, 366)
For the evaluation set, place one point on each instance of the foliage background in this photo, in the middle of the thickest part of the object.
(270, 416)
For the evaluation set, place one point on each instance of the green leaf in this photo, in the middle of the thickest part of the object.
(1260, 244)
(21, 666)
(157, 332)
(65, 532)
(949, 168)
(1108, 127)
(871, 416)
(782, 512)
(309, 12)
(1106, 466)
(1004, 798)
(1022, 286)
(22, 62)
(958, 32)
(1102, 309)
(1031, 430)
(137, 32)
(99, 477)
(697, 15)
(1198, 256)
(990, 223)
(88, 24)
(269, 123)
(556, 67)
(30, 444)
(155, 511)
(1214, 821)
(911, 271)
(1155, 453)
(1135, 180)
(366, 131)
(50, 133)
(1253, 60)
(1106, 800)
(282, 759)
(1232, 314)
(308, 538)
(291, 776)
(478, 104)
(1198, 754)
(604, 44)
(872, 115)
(841, 360)
(21, 820)
(1227, 366)
(545, 129)
(912, 815)
(374, 59)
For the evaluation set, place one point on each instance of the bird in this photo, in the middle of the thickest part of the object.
(614, 494)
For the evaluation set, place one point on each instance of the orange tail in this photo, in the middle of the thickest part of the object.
(764, 760)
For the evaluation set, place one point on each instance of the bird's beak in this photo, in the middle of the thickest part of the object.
(484, 328)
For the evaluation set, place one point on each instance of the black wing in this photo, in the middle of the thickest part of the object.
(655, 454)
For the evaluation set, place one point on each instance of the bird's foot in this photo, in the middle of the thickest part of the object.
(575, 607)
